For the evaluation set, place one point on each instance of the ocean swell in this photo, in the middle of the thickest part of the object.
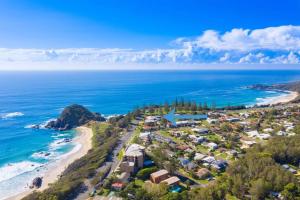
(11, 115)
(11, 170)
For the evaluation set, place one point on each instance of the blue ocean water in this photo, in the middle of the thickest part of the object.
(28, 98)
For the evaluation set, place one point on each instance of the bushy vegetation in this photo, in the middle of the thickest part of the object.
(258, 173)
(145, 173)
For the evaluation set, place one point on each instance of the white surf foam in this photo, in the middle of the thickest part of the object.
(30, 126)
(11, 115)
(269, 100)
(44, 155)
(11, 170)
(44, 124)
(58, 143)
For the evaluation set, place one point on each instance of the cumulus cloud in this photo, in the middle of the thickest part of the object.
(271, 45)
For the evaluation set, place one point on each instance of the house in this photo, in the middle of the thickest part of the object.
(212, 145)
(174, 180)
(233, 119)
(162, 139)
(128, 167)
(268, 130)
(212, 121)
(191, 166)
(208, 159)
(264, 136)
(185, 123)
(196, 139)
(200, 130)
(182, 147)
(203, 173)
(199, 156)
(247, 144)
(117, 186)
(281, 133)
(219, 164)
(184, 161)
(151, 120)
(232, 152)
(135, 153)
(287, 167)
(159, 176)
(145, 137)
(123, 177)
(252, 133)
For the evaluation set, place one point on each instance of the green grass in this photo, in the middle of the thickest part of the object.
(202, 149)
(121, 154)
(213, 138)
(221, 155)
(139, 182)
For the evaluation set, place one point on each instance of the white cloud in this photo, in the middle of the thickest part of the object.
(272, 45)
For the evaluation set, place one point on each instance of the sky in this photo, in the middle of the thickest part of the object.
(140, 34)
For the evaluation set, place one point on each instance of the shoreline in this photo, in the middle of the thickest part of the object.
(83, 142)
(283, 99)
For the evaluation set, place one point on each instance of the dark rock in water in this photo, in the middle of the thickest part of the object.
(36, 126)
(37, 182)
(74, 116)
(47, 154)
(66, 140)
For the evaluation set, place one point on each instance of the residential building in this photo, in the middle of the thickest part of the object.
(159, 176)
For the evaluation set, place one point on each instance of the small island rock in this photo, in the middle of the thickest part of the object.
(73, 116)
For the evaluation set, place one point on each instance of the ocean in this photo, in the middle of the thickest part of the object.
(28, 98)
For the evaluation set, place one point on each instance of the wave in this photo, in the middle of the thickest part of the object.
(60, 142)
(60, 135)
(270, 100)
(11, 170)
(11, 115)
(43, 155)
(39, 126)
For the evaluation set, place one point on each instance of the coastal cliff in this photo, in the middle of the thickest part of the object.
(73, 116)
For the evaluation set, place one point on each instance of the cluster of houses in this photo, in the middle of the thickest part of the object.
(186, 134)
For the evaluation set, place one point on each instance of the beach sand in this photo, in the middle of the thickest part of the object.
(285, 99)
(83, 142)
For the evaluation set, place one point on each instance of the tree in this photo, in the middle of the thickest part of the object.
(259, 189)
(145, 173)
(290, 191)
(194, 107)
(156, 190)
(166, 107)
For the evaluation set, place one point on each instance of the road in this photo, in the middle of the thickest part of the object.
(112, 162)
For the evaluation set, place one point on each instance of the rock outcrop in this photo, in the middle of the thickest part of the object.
(37, 182)
(74, 116)
(292, 86)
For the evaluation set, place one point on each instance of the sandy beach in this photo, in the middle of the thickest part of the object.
(285, 98)
(83, 142)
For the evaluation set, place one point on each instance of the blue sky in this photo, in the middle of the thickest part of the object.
(147, 32)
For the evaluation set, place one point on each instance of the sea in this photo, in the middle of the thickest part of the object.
(29, 98)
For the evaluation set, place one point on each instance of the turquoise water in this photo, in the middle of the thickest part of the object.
(28, 98)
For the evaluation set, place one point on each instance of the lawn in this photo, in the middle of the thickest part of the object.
(139, 182)
(202, 149)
